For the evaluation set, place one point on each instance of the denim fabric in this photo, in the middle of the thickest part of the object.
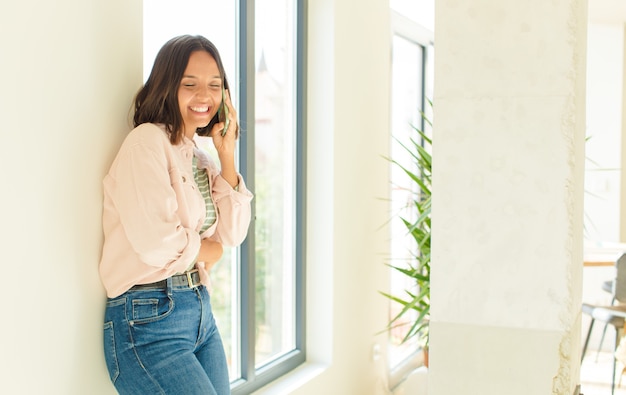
(164, 341)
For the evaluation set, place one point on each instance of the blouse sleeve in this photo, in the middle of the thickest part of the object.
(233, 207)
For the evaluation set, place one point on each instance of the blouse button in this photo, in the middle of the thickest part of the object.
(184, 179)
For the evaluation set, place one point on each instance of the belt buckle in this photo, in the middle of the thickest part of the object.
(190, 278)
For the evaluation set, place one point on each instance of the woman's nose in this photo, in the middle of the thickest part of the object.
(203, 92)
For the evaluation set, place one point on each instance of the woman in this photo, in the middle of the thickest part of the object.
(168, 210)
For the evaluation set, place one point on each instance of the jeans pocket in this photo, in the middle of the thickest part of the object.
(110, 355)
(145, 310)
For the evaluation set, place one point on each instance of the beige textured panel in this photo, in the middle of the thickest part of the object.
(492, 361)
(506, 48)
(501, 166)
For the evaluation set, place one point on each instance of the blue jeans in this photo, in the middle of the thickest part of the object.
(164, 341)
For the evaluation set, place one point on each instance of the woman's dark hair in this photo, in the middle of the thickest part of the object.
(157, 100)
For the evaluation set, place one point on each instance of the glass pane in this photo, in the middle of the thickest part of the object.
(164, 19)
(406, 106)
(274, 175)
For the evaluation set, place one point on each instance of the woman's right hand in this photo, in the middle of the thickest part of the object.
(210, 252)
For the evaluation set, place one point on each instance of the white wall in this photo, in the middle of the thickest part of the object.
(605, 75)
(68, 72)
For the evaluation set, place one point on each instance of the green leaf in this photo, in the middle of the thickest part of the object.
(417, 298)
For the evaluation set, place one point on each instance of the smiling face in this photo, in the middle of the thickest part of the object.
(200, 92)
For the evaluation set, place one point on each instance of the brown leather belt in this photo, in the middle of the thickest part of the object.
(188, 279)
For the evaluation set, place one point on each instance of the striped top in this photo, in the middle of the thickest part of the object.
(202, 180)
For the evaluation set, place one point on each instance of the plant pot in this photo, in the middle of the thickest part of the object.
(425, 351)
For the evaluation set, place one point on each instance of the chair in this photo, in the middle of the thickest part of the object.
(614, 315)
(607, 286)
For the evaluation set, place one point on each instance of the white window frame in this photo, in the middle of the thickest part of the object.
(415, 33)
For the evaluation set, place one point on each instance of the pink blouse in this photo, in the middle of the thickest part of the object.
(153, 210)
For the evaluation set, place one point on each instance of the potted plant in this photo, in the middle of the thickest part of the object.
(415, 302)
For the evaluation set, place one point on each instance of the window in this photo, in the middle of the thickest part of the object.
(258, 289)
(412, 65)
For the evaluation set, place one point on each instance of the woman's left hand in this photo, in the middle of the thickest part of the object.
(225, 141)
(225, 144)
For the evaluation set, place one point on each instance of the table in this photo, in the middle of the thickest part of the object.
(602, 254)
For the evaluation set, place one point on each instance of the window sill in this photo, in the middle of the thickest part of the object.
(415, 383)
(293, 380)
(404, 369)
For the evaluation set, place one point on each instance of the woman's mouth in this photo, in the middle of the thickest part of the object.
(200, 109)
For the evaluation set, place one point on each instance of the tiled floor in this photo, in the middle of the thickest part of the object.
(595, 376)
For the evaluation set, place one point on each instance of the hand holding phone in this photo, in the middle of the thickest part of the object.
(222, 113)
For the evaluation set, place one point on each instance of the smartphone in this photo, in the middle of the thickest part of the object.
(222, 113)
